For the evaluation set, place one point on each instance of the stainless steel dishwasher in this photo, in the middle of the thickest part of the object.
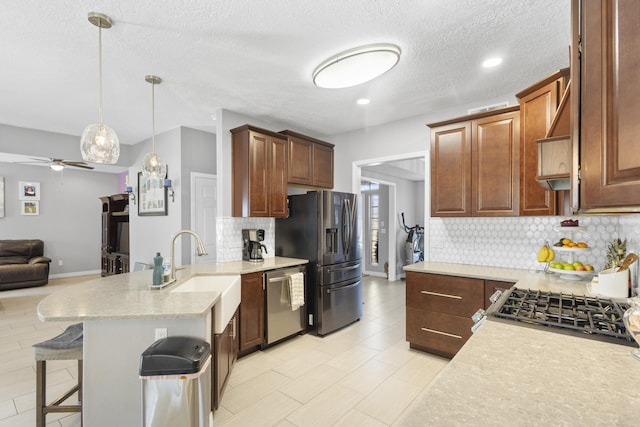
(281, 321)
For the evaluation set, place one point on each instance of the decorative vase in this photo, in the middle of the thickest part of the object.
(631, 321)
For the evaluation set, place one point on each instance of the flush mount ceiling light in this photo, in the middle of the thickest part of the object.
(99, 143)
(355, 66)
(152, 165)
(491, 62)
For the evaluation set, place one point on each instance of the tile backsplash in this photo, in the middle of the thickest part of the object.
(500, 242)
(229, 236)
(514, 242)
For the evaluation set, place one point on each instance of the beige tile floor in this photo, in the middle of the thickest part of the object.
(362, 375)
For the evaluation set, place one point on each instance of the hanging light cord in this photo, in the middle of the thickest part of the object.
(153, 116)
(100, 66)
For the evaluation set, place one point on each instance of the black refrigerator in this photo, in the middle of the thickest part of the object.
(322, 227)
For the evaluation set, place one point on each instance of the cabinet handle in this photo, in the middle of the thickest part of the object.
(441, 333)
(437, 294)
(233, 328)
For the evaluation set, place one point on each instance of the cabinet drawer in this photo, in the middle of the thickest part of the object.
(459, 296)
(437, 333)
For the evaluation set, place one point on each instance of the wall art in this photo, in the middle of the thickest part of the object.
(30, 207)
(152, 196)
(29, 190)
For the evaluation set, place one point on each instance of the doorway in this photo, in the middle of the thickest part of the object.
(203, 215)
(375, 221)
(409, 175)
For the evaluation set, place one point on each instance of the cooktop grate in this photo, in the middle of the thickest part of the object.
(589, 317)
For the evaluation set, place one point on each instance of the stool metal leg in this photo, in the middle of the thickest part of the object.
(80, 385)
(41, 388)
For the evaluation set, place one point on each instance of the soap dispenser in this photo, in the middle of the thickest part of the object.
(157, 270)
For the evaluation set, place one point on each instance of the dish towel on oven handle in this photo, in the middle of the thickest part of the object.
(296, 290)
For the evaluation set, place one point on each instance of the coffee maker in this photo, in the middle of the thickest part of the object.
(252, 245)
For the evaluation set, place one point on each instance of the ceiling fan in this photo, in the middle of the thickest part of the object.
(59, 164)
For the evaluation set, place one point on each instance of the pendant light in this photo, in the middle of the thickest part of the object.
(152, 165)
(99, 143)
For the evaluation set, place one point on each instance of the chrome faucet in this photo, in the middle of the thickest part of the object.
(201, 250)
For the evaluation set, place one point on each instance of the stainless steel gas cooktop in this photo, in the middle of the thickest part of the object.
(588, 317)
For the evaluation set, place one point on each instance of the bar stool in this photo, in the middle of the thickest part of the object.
(66, 346)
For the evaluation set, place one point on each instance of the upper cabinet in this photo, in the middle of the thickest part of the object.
(259, 163)
(475, 164)
(606, 42)
(310, 160)
(538, 106)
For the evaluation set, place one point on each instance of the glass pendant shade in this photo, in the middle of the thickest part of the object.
(153, 166)
(99, 144)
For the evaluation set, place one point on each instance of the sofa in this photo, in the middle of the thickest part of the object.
(23, 264)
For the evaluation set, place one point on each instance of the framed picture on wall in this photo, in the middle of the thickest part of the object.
(28, 190)
(30, 207)
(152, 196)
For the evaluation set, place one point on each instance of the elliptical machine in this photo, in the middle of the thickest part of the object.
(414, 244)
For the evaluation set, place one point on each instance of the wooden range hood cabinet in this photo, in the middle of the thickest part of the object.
(555, 150)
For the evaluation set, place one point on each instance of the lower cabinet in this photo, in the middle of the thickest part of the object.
(225, 347)
(439, 310)
(251, 313)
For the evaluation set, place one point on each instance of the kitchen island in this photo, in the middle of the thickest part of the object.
(120, 315)
(507, 374)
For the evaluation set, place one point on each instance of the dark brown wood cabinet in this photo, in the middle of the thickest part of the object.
(538, 106)
(608, 39)
(475, 165)
(439, 310)
(115, 235)
(225, 355)
(310, 160)
(260, 165)
(251, 313)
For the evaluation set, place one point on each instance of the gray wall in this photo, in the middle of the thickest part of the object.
(37, 143)
(184, 150)
(69, 222)
(198, 152)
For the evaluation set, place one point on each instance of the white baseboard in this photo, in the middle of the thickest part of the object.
(374, 273)
(74, 274)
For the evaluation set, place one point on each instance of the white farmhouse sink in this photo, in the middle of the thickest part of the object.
(229, 289)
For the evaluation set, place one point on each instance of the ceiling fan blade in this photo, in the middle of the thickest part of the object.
(82, 165)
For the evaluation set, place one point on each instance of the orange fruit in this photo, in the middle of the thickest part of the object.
(566, 241)
(583, 245)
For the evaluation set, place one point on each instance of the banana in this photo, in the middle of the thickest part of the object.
(546, 254)
(543, 254)
(551, 254)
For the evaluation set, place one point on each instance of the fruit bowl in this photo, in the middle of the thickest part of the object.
(561, 249)
(572, 274)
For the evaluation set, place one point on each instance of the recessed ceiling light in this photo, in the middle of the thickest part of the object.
(492, 62)
(355, 66)
(363, 101)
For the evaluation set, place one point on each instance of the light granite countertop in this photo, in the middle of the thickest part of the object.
(517, 376)
(128, 296)
(525, 279)
(508, 374)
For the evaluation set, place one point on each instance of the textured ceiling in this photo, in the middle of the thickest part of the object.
(256, 58)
